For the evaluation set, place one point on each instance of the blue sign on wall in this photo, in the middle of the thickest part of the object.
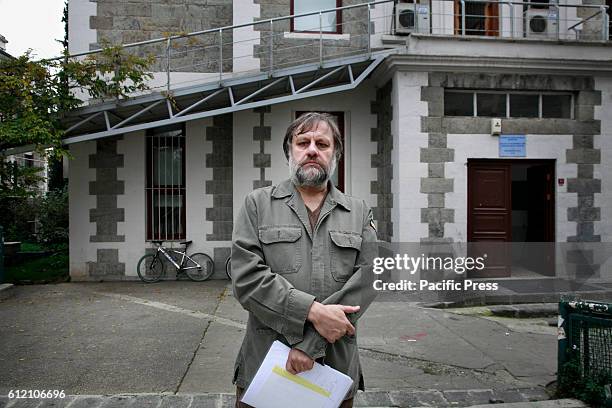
(512, 146)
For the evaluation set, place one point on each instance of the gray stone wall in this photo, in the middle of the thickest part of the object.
(106, 215)
(121, 22)
(583, 128)
(585, 155)
(436, 154)
(220, 187)
(382, 162)
(107, 265)
(262, 160)
(220, 160)
(291, 51)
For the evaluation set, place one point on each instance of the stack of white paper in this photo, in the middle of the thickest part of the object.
(275, 387)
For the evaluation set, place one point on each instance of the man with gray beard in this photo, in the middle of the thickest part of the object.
(301, 261)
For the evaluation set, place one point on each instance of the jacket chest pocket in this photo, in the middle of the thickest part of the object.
(282, 248)
(344, 250)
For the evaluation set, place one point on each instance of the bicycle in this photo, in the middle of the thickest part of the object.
(198, 266)
(228, 268)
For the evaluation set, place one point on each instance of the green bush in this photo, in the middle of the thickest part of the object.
(53, 218)
(52, 268)
(31, 247)
(50, 212)
(573, 383)
(17, 217)
(18, 195)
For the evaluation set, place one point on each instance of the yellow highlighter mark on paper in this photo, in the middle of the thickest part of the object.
(300, 381)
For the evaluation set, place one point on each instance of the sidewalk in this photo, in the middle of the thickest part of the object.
(394, 399)
(176, 342)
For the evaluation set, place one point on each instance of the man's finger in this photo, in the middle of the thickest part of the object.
(304, 365)
(309, 365)
(289, 367)
(350, 309)
(350, 329)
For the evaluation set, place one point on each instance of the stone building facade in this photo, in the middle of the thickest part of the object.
(406, 154)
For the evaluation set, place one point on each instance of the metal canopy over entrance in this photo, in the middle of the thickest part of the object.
(196, 102)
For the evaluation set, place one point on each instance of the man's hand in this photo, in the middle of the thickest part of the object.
(330, 320)
(298, 361)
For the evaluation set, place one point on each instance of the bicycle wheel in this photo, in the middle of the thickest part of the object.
(228, 268)
(150, 268)
(200, 267)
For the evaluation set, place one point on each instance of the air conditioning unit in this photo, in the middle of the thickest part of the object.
(411, 18)
(542, 23)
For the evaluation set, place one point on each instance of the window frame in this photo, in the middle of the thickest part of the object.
(508, 115)
(490, 19)
(492, 92)
(572, 103)
(151, 189)
(338, 20)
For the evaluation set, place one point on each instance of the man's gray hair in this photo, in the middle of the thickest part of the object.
(308, 122)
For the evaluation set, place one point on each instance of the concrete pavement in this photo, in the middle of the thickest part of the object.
(179, 340)
(390, 399)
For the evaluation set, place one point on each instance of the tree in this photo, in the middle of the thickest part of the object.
(17, 181)
(35, 95)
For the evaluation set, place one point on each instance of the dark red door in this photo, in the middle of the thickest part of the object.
(489, 215)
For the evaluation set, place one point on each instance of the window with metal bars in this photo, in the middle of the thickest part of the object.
(165, 187)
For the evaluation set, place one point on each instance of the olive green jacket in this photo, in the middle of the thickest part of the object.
(280, 266)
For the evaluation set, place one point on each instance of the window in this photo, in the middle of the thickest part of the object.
(331, 22)
(539, 5)
(458, 104)
(524, 105)
(556, 106)
(165, 188)
(500, 104)
(491, 104)
(481, 18)
(28, 160)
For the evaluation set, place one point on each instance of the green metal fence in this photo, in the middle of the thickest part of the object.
(585, 350)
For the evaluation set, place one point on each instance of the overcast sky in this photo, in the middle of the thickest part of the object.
(32, 24)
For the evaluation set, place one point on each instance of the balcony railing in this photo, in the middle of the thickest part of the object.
(270, 45)
(525, 19)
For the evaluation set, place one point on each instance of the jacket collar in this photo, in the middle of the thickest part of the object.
(287, 188)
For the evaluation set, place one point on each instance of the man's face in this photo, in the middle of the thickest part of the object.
(311, 157)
